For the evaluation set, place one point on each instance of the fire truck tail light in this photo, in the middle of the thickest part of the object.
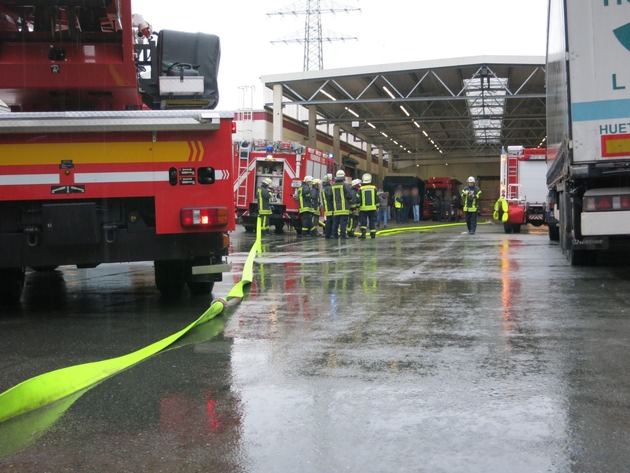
(204, 217)
(233, 127)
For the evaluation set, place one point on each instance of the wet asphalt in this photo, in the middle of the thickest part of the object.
(418, 352)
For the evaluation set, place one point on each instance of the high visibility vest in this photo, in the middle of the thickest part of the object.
(263, 197)
(368, 198)
(398, 203)
(315, 199)
(470, 196)
(304, 199)
(327, 202)
(340, 203)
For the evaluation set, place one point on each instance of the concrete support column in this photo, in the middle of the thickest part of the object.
(368, 157)
(312, 126)
(336, 136)
(278, 124)
(381, 169)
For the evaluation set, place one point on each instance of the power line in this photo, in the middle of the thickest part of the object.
(313, 37)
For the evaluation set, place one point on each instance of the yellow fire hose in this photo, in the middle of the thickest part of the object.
(57, 390)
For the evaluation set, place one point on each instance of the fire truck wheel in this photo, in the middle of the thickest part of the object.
(507, 228)
(11, 285)
(279, 228)
(249, 229)
(516, 228)
(170, 277)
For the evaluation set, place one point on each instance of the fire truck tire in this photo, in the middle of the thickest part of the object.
(198, 288)
(507, 228)
(170, 276)
(11, 285)
(249, 229)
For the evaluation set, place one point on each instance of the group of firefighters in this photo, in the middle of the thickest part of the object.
(346, 206)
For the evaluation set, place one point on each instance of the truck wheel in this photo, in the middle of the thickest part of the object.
(11, 284)
(507, 228)
(554, 233)
(198, 288)
(170, 276)
(249, 229)
(279, 229)
(516, 228)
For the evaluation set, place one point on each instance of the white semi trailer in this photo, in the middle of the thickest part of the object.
(588, 126)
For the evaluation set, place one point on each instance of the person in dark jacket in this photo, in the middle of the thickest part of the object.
(327, 204)
(342, 194)
(263, 196)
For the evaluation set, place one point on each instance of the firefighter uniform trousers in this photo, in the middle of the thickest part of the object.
(315, 202)
(327, 203)
(367, 215)
(340, 209)
(264, 209)
(305, 209)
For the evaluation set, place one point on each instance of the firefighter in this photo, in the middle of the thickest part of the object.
(470, 198)
(342, 194)
(316, 204)
(327, 204)
(354, 203)
(368, 206)
(305, 207)
(263, 197)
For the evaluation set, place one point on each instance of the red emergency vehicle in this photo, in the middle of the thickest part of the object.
(286, 164)
(109, 148)
(441, 201)
(523, 189)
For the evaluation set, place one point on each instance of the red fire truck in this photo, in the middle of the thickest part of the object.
(109, 148)
(441, 199)
(286, 164)
(523, 189)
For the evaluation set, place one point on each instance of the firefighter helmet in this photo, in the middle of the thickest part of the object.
(308, 179)
(316, 181)
(340, 173)
(366, 178)
(356, 182)
(471, 180)
(266, 181)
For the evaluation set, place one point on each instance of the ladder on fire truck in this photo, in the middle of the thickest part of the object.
(243, 175)
(513, 187)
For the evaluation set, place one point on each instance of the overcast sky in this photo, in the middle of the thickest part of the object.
(387, 31)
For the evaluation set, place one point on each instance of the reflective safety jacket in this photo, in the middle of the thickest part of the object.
(368, 198)
(327, 200)
(398, 202)
(315, 199)
(342, 194)
(304, 198)
(470, 198)
(263, 196)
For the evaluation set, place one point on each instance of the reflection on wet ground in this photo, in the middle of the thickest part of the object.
(430, 352)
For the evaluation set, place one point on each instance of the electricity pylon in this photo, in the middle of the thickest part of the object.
(313, 38)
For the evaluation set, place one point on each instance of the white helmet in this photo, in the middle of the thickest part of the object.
(267, 181)
(471, 180)
(316, 181)
(366, 178)
(340, 173)
(308, 179)
(356, 182)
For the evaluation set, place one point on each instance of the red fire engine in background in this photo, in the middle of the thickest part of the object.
(523, 189)
(109, 148)
(286, 164)
(441, 199)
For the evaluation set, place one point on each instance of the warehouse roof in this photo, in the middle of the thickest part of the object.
(426, 110)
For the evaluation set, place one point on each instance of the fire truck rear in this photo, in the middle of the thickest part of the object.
(286, 164)
(110, 150)
(523, 188)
